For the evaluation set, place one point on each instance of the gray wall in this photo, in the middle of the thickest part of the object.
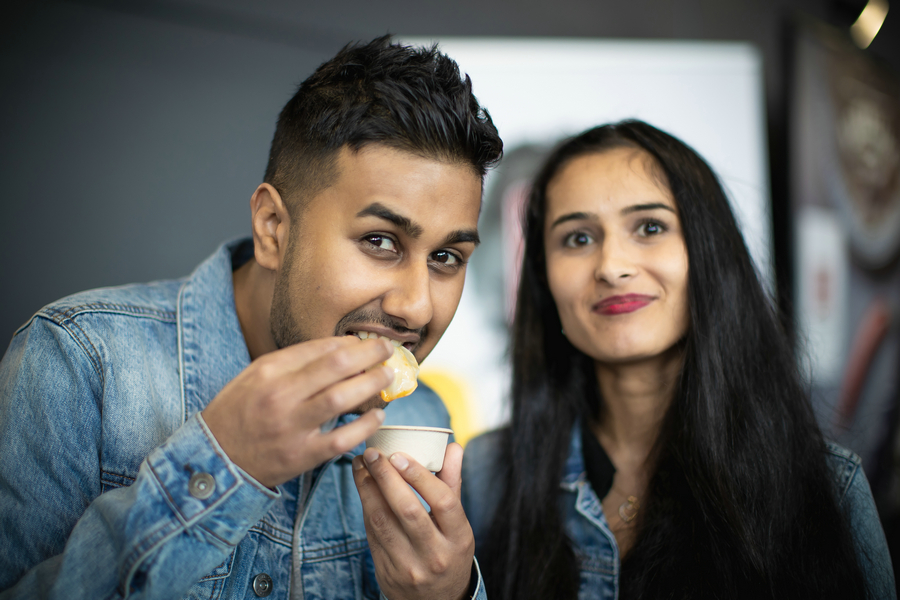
(133, 133)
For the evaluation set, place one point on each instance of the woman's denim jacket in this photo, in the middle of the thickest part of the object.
(596, 546)
(111, 485)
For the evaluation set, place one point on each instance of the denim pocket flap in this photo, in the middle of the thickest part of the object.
(223, 570)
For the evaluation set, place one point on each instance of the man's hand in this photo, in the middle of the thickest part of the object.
(417, 554)
(268, 418)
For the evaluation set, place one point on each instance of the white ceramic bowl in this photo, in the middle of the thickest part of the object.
(425, 444)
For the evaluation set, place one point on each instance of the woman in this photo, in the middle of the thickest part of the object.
(661, 444)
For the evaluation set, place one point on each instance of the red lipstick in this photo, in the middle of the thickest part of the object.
(619, 305)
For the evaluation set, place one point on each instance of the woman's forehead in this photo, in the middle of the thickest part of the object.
(607, 178)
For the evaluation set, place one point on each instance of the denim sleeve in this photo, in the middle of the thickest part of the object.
(59, 536)
(868, 535)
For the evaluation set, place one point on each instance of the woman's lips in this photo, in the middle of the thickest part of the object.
(618, 305)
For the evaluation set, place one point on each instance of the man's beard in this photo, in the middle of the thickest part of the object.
(286, 331)
(284, 328)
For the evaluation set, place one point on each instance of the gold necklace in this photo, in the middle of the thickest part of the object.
(628, 510)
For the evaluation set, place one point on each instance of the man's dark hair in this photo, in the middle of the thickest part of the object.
(411, 99)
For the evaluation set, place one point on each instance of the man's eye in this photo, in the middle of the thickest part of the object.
(447, 258)
(576, 239)
(381, 242)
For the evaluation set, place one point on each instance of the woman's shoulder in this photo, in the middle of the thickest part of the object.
(858, 506)
(482, 480)
(486, 444)
(846, 467)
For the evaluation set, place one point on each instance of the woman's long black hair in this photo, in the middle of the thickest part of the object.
(740, 502)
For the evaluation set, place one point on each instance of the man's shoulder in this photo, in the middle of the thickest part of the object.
(156, 300)
(421, 408)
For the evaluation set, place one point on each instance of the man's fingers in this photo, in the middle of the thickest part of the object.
(341, 363)
(298, 356)
(451, 471)
(347, 437)
(345, 396)
(411, 515)
(382, 525)
(446, 509)
(304, 382)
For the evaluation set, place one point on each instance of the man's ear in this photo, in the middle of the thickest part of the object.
(271, 225)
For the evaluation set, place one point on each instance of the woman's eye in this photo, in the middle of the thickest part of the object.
(650, 228)
(381, 242)
(577, 239)
(446, 258)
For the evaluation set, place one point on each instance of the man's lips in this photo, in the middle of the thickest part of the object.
(409, 340)
(618, 305)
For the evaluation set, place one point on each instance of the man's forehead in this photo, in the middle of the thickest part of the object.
(405, 182)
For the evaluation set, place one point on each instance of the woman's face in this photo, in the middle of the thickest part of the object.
(616, 259)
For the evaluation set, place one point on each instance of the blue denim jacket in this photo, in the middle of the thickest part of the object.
(596, 546)
(105, 463)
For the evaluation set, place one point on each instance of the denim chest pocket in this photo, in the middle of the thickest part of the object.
(211, 586)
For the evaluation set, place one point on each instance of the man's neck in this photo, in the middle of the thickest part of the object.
(253, 287)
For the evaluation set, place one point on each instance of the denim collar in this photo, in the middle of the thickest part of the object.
(574, 471)
(211, 346)
(601, 550)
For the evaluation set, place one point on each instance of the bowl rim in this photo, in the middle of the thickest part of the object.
(415, 428)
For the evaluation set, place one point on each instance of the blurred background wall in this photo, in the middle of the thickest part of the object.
(132, 135)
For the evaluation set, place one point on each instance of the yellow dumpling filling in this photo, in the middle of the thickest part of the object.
(406, 370)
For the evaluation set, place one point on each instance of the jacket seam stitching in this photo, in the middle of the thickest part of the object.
(67, 325)
(97, 364)
(103, 307)
(269, 536)
(849, 481)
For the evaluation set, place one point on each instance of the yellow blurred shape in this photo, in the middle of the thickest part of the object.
(869, 22)
(452, 389)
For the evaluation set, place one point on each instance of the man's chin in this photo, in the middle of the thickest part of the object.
(373, 402)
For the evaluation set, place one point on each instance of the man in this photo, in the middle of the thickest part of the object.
(143, 454)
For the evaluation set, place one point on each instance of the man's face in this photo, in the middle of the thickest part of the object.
(383, 250)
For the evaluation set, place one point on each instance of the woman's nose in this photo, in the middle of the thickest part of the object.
(614, 264)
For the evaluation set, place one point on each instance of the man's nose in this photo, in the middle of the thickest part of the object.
(409, 299)
(614, 263)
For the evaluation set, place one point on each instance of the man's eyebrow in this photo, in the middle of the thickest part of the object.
(376, 209)
(652, 206)
(462, 236)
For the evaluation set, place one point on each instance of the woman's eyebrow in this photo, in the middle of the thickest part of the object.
(575, 216)
(652, 206)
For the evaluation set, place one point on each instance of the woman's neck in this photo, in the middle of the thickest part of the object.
(635, 399)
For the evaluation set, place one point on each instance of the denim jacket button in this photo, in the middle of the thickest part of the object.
(201, 486)
(262, 585)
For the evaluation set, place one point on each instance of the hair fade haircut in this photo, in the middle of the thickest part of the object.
(410, 99)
